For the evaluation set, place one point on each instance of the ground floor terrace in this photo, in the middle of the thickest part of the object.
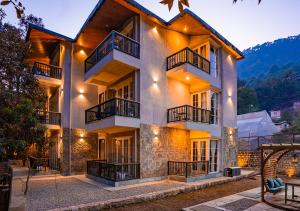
(117, 155)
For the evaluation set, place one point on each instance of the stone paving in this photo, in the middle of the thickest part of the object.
(246, 201)
(77, 192)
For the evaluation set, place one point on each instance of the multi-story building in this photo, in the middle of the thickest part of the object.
(141, 97)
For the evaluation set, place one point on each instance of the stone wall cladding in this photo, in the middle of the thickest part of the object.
(156, 150)
(82, 149)
(230, 147)
(251, 160)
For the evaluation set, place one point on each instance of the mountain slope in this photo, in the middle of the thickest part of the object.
(268, 57)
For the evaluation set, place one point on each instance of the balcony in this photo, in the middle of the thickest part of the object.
(189, 63)
(192, 118)
(51, 119)
(112, 114)
(115, 57)
(115, 172)
(47, 73)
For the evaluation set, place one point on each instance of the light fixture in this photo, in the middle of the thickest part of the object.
(155, 29)
(82, 52)
(187, 78)
(185, 29)
(229, 96)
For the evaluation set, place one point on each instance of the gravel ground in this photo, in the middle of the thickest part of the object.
(51, 194)
(183, 200)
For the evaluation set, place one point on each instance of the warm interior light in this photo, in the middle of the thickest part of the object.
(81, 91)
(81, 52)
(185, 29)
(155, 29)
(187, 78)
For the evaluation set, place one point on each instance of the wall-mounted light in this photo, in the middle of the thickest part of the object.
(82, 52)
(187, 78)
(229, 96)
(185, 29)
(155, 29)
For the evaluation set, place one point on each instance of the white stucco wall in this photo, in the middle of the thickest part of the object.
(229, 91)
(157, 44)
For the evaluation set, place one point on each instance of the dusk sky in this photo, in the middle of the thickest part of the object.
(245, 24)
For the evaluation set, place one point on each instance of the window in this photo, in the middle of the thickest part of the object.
(214, 66)
(213, 156)
(214, 107)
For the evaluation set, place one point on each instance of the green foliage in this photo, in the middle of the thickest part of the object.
(20, 96)
(247, 99)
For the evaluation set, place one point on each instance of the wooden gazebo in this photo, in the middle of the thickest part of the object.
(277, 152)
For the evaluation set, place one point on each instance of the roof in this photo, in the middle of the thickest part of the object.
(147, 12)
(255, 124)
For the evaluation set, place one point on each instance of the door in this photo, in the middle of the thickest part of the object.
(213, 156)
(199, 100)
(199, 156)
(122, 150)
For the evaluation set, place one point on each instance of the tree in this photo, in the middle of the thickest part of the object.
(20, 94)
(17, 5)
(247, 100)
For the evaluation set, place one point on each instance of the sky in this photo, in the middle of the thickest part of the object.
(245, 24)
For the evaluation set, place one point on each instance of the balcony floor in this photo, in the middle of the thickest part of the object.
(113, 124)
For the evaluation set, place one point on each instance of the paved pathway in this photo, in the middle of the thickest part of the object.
(245, 201)
(74, 192)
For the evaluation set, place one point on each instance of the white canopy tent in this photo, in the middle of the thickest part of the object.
(255, 124)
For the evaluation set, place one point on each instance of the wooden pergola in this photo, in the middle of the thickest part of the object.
(268, 151)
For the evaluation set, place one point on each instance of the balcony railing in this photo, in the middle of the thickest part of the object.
(113, 171)
(48, 117)
(113, 107)
(187, 169)
(47, 70)
(188, 113)
(116, 41)
(188, 56)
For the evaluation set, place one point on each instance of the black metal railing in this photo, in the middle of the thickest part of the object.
(47, 70)
(113, 107)
(49, 117)
(114, 40)
(42, 164)
(188, 113)
(188, 56)
(113, 171)
(188, 169)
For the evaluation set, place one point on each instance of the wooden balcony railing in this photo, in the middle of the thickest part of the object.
(47, 70)
(113, 171)
(188, 56)
(48, 117)
(116, 41)
(188, 113)
(113, 107)
(188, 169)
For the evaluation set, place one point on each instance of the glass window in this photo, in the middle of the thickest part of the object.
(101, 149)
(203, 150)
(213, 156)
(214, 69)
(214, 107)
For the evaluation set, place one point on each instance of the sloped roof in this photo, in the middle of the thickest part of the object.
(147, 12)
(255, 124)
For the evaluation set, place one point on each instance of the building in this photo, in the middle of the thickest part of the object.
(255, 124)
(282, 125)
(145, 97)
(296, 106)
(276, 114)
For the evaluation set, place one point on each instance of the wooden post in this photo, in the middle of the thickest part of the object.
(262, 175)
